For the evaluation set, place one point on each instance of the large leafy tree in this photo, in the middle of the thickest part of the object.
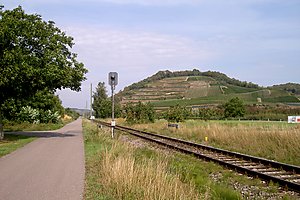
(35, 56)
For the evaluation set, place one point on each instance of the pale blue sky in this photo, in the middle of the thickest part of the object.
(251, 40)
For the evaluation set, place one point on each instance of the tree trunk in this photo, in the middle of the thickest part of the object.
(1, 132)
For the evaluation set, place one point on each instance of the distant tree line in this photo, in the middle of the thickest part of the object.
(234, 108)
(223, 78)
(251, 112)
(267, 112)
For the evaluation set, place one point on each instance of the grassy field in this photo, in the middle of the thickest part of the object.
(278, 141)
(128, 168)
(12, 142)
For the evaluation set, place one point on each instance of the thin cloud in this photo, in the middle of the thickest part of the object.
(135, 55)
(136, 49)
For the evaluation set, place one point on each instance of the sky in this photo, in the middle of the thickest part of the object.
(251, 40)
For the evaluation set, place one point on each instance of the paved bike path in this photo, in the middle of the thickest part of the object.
(51, 167)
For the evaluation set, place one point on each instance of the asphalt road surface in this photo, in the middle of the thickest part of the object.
(51, 167)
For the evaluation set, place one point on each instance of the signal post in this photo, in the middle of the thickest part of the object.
(113, 81)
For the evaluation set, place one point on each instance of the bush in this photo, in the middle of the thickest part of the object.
(234, 108)
(209, 113)
(49, 117)
(31, 115)
(177, 113)
(28, 114)
(139, 113)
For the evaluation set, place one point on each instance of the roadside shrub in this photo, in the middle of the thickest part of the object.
(32, 115)
(49, 117)
(28, 114)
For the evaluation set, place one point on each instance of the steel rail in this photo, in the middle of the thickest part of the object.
(261, 164)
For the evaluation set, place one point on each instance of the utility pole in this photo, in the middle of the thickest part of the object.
(91, 108)
(86, 107)
(113, 81)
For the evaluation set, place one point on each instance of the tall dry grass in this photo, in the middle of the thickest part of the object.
(272, 141)
(126, 178)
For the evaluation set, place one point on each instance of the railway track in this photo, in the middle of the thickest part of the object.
(283, 174)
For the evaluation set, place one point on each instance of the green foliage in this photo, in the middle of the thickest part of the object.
(252, 112)
(35, 56)
(234, 108)
(177, 113)
(49, 117)
(71, 113)
(45, 100)
(208, 113)
(28, 114)
(139, 113)
(103, 109)
(102, 104)
(31, 115)
(42, 101)
(267, 112)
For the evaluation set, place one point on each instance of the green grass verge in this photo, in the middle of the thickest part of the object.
(25, 126)
(97, 143)
(210, 181)
(12, 142)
